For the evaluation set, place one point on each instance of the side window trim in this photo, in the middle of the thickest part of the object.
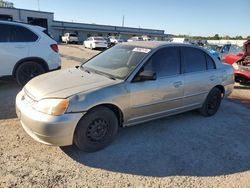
(209, 57)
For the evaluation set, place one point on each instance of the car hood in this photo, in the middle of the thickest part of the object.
(65, 83)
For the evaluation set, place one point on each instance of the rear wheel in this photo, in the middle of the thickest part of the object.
(212, 103)
(96, 129)
(28, 70)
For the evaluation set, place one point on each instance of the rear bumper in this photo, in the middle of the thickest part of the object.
(100, 45)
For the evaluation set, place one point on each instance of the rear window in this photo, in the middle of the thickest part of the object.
(72, 35)
(15, 33)
(22, 34)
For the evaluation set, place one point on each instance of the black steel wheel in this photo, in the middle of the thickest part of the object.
(212, 102)
(96, 129)
(28, 70)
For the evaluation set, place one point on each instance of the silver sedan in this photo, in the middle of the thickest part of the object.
(128, 84)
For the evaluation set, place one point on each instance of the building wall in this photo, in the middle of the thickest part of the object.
(237, 42)
(22, 15)
(58, 28)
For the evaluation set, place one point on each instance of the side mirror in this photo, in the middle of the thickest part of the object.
(147, 75)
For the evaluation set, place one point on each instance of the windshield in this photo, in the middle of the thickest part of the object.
(117, 62)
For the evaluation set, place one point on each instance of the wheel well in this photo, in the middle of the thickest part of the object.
(115, 109)
(33, 59)
(221, 88)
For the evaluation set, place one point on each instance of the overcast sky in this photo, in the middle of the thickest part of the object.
(192, 17)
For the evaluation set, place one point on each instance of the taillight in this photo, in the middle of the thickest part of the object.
(54, 47)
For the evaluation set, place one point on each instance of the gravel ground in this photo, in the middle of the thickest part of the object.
(185, 150)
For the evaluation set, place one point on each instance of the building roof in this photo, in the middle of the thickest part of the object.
(26, 10)
(105, 28)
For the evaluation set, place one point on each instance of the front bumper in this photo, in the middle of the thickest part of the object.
(44, 128)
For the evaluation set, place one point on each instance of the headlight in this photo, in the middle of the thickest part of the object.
(54, 107)
(235, 66)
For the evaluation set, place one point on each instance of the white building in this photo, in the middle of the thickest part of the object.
(58, 28)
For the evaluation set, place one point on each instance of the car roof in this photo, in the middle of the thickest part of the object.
(153, 44)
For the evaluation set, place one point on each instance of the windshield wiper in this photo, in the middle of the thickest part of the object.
(83, 68)
(104, 74)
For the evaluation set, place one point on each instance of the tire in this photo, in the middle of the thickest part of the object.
(212, 103)
(96, 129)
(28, 70)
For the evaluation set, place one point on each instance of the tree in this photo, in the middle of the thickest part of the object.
(216, 37)
(6, 4)
(239, 37)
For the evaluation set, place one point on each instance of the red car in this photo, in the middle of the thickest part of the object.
(241, 64)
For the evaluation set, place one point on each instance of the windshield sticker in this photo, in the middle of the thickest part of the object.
(143, 50)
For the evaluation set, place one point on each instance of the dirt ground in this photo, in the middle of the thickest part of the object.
(185, 150)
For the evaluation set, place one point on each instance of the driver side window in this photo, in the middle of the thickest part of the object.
(165, 62)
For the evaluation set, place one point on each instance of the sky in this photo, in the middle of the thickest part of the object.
(189, 17)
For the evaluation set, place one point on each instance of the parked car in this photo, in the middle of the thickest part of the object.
(241, 64)
(26, 51)
(70, 38)
(135, 39)
(95, 42)
(146, 38)
(127, 84)
(227, 49)
(115, 40)
(213, 50)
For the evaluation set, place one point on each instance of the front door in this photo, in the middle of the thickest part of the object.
(156, 98)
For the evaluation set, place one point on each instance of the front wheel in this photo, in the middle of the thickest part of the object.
(212, 103)
(28, 70)
(96, 129)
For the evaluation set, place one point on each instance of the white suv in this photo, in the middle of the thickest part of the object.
(26, 51)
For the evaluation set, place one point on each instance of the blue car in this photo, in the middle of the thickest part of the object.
(212, 49)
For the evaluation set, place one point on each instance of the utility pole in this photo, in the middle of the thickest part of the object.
(123, 21)
(38, 4)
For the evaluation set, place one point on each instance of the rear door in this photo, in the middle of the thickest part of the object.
(200, 75)
(155, 98)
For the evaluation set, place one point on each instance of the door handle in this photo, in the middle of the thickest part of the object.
(177, 84)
